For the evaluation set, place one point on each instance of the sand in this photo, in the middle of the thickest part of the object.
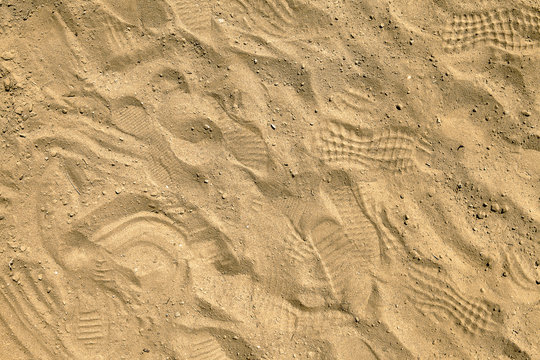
(269, 179)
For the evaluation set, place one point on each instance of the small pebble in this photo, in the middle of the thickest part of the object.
(399, 106)
(7, 84)
(8, 55)
(273, 126)
(495, 207)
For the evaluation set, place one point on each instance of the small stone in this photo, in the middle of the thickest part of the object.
(118, 191)
(176, 314)
(495, 207)
(206, 181)
(399, 106)
(381, 25)
(526, 113)
(7, 84)
(273, 126)
(255, 61)
(8, 55)
(481, 215)
(504, 274)
(504, 209)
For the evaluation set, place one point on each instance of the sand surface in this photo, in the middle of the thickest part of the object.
(269, 179)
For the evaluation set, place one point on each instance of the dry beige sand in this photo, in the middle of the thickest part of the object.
(269, 179)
